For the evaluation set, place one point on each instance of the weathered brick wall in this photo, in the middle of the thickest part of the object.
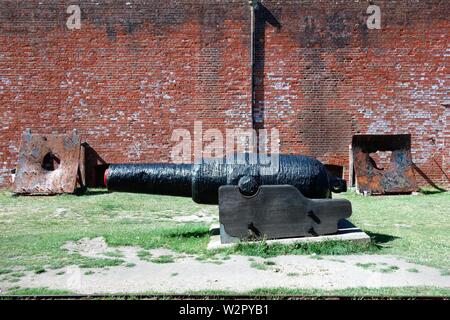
(136, 70)
(327, 76)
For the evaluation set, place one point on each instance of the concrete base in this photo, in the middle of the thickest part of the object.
(347, 232)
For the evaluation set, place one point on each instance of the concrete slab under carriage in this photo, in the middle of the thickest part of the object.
(346, 232)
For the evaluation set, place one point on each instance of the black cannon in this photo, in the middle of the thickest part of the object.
(202, 181)
(288, 196)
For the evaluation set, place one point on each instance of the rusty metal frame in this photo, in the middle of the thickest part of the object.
(35, 176)
(398, 177)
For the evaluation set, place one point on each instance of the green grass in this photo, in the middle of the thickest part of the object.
(426, 238)
(258, 266)
(264, 265)
(5, 271)
(351, 292)
(366, 265)
(32, 229)
(163, 259)
(17, 274)
(100, 263)
(407, 291)
(39, 270)
(389, 269)
(144, 255)
(31, 234)
(263, 249)
(264, 292)
(213, 257)
(382, 267)
(37, 291)
(114, 254)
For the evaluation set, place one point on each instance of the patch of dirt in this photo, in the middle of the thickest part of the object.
(64, 213)
(235, 273)
(92, 248)
(402, 226)
(200, 216)
(194, 218)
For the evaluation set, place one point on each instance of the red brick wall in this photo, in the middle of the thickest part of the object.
(136, 70)
(327, 76)
(127, 78)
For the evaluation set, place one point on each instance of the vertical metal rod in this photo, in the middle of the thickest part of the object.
(252, 4)
(253, 7)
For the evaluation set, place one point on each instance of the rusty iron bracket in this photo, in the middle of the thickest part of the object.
(398, 177)
(48, 164)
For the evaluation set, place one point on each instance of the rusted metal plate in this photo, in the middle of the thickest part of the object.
(47, 164)
(397, 177)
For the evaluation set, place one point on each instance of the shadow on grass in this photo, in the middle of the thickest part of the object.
(90, 192)
(186, 231)
(430, 192)
(379, 239)
(189, 234)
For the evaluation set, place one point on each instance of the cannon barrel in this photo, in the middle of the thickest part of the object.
(202, 181)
